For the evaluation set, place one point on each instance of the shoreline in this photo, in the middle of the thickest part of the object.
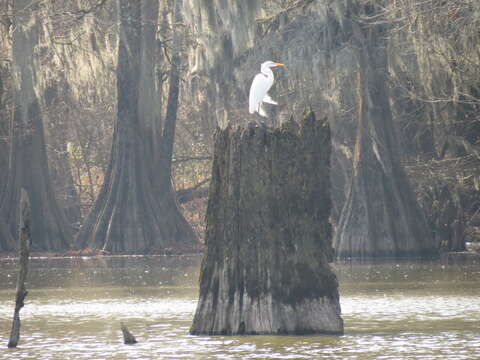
(448, 256)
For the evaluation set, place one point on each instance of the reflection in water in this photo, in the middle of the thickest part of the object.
(425, 310)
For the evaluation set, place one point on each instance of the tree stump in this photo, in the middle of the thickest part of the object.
(268, 234)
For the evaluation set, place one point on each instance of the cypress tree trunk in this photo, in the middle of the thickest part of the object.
(381, 216)
(28, 166)
(3, 133)
(268, 234)
(131, 214)
(6, 239)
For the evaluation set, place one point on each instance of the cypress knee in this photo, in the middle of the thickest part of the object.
(268, 237)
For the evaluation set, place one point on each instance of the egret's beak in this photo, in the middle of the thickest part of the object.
(278, 64)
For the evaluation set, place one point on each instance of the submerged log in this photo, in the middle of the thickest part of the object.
(268, 234)
(25, 231)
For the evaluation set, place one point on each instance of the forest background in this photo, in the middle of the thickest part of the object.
(63, 98)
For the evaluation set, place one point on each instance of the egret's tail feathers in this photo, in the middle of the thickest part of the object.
(252, 108)
(269, 100)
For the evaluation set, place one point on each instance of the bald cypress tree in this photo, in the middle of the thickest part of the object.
(136, 211)
(28, 165)
(381, 216)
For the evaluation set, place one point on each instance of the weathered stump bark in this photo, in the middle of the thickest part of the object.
(268, 234)
(25, 230)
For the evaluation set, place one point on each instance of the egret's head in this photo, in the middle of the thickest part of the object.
(270, 65)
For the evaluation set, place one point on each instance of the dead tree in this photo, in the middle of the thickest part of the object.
(268, 234)
(25, 231)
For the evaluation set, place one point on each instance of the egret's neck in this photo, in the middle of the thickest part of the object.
(268, 72)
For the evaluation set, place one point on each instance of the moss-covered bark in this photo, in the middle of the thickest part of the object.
(268, 234)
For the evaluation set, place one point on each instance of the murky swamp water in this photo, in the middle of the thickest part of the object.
(392, 310)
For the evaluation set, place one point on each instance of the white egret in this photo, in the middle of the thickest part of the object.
(260, 86)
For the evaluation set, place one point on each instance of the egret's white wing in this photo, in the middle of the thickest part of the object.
(260, 85)
(269, 100)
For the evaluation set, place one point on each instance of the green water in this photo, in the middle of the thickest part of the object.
(406, 310)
